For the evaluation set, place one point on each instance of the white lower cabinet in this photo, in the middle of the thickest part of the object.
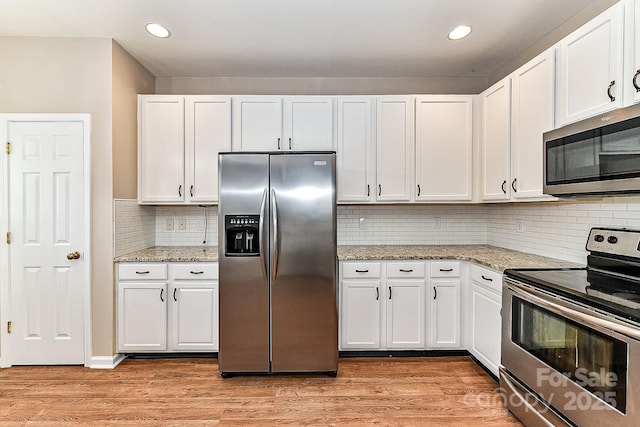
(486, 319)
(444, 302)
(167, 307)
(405, 305)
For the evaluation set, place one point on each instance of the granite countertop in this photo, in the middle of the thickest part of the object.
(493, 257)
(172, 254)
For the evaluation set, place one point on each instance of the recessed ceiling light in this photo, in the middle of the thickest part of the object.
(459, 32)
(157, 30)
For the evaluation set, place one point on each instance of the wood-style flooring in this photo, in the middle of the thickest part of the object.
(437, 391)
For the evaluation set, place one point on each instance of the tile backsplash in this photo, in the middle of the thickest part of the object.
(556, 229)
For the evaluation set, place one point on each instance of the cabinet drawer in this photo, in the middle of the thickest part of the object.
(142, 271)
(445, 269)
(490, 279)
(405, 269)
(356, 270)
(192, 270)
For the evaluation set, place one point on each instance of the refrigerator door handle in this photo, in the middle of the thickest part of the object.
(263, 213)
(274, 212)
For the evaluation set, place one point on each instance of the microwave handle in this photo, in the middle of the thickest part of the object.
(571, 313)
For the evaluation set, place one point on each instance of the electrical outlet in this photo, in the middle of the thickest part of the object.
(363, 223)
(437, 222)
(520, 224)
(182, 224)
(169, 224)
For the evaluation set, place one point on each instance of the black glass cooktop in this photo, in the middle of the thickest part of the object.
(613, 294)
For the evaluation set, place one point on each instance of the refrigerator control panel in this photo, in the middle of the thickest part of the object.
(242, 235)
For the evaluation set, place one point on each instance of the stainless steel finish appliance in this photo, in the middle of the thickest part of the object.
(599, 155)
(277, 259)
(571, 337)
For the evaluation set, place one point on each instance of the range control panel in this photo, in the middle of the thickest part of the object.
(616, 241)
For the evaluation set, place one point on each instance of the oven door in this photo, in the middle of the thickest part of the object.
(583, 364)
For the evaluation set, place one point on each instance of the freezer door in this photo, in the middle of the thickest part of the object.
(244, 284)
(304, 335)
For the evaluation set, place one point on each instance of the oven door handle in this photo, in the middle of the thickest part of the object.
(584, 317)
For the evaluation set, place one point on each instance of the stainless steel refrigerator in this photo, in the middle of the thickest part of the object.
(277, 259)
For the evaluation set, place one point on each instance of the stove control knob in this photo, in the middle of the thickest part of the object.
(612, 239)
(598, 238)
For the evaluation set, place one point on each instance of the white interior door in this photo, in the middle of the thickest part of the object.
(46, 221)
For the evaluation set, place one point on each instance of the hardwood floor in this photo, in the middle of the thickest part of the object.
(189, 392)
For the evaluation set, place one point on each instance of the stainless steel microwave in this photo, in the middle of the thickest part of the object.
(596, 156)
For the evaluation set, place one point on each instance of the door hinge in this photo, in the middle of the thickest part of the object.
(8, 237)
(9, 327)
(8, 148)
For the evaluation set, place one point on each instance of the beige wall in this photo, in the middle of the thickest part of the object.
(129, 79)
(318, 85)
(73, 75)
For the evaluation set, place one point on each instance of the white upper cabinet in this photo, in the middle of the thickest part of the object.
(179, 139)
(532, 114)
(297, 123)
(395, 133)
(207, 133)
(591, 67)
(355, 153)
(496, 126)
(160, 149)
(444, 148)
(257, 123)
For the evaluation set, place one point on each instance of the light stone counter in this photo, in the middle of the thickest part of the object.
(490, 256)
(172, 254)
(497, 258)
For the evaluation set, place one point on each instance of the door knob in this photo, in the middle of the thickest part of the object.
(73, 255)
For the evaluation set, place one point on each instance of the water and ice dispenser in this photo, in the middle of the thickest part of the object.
(242, 235)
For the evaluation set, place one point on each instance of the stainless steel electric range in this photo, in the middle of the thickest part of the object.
(571, 337)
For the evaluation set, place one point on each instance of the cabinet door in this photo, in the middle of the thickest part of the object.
(160, 149)
(405, 314)
(355, 150)
(532, 108)
(486, 325)
(257, 124)
(207, 133)
(591, 67)
(445, 313)
(394, 131)
(360, 314)
(496, 125)
(309, 124)
(142, 316)
(633, 82)
(193, 314)
(444, 148)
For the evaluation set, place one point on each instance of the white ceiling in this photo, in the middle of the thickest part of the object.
(301, 38)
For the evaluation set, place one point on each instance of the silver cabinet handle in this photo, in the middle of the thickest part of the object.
(635, 81)
(274, 213)
(611, 97)
(261, 230)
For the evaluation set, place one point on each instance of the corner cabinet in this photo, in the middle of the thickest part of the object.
(444, 148)
(591, 67)
(296, 123)
(167, 307)
(179, 138)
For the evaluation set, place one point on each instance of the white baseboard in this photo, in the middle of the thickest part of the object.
(106, 362)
